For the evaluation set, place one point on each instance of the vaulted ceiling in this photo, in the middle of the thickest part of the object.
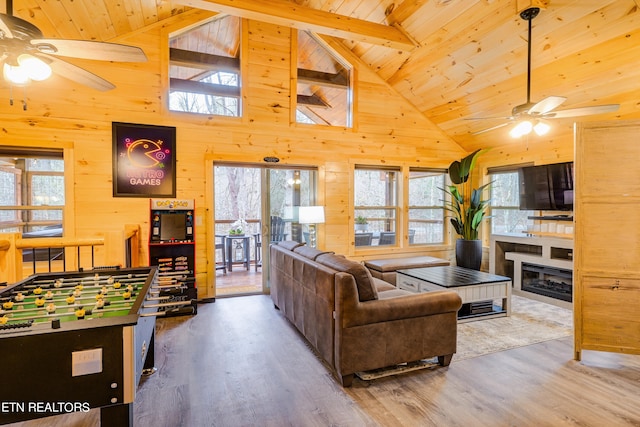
(452, 59)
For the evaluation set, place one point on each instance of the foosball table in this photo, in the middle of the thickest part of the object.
(74, 341)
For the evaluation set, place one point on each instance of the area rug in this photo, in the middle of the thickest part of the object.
(530, 322)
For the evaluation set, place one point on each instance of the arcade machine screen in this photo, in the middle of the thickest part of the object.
(173, 227)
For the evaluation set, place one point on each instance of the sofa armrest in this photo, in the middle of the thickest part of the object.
(351, 312)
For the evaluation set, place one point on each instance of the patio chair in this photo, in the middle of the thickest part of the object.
(364, 239)
(277, 229)
(221, 245)
(257, 239)
(387, 238)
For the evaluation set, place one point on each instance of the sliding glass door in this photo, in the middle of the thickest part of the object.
(256, 205)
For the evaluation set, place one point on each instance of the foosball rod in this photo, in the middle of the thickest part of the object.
(94, 314)
(119, 305)
(174, 273)
(167, 304)
(161, 298)
(174, 312)
(74, 280)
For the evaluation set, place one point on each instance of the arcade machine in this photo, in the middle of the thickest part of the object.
(172, 248)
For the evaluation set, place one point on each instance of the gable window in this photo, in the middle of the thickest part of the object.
(204, 69)
(506, 216)
(324, 92)
(426, 206)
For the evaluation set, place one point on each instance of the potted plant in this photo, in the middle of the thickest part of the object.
(468, 210)
(361, 223)
(238, 227)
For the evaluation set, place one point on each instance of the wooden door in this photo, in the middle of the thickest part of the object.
(607, 237)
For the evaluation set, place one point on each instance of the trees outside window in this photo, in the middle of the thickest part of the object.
(506, 216)
(426, 206)
(379, 211)
(32, 192)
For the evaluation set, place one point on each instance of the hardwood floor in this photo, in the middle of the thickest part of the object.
(238, 362)
(239, 281)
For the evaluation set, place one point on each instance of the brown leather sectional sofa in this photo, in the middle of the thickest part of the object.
(356, 322)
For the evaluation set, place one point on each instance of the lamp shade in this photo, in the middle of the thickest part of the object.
(311, 215)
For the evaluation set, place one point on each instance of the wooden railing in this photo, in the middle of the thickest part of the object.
(116, 248)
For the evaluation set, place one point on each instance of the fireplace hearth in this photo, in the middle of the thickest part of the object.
(548, 281)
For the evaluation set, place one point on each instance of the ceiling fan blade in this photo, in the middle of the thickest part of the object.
(547, 104)
(4, 27)
(490, 129)
(584, 111)
(77, 74)
(490, 118)
(86, 49)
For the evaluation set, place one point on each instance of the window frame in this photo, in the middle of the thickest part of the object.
(396, 224)
(491, 173)
(24, 221)
(436, 172)
(222, 66)
(350, 71)
(401, 209)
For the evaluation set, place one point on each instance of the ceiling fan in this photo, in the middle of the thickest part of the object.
(532, 116)
(26, 55)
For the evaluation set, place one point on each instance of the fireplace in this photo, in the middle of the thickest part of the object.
(548, 281)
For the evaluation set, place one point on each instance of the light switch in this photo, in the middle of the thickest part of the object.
(86, 362)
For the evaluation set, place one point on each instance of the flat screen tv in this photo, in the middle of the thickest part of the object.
(173, 226)
(547, 187)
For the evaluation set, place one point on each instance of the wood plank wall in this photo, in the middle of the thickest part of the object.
(61, 113)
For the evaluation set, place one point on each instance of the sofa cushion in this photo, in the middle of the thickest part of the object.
(381, 285)
(393, 293)
(309, 252)
(290, 244)
(364, 282)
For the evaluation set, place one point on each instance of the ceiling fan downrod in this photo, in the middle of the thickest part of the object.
(528, 15)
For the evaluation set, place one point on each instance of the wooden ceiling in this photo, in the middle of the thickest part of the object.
(452, 59)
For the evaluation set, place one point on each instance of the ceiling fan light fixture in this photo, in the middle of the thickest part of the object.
(35, 68)
(15, 74)
(541, 128)
(522, 128)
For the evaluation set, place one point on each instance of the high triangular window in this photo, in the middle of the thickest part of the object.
(324, 92)
(204, 68)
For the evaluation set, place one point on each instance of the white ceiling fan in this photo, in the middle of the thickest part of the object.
(532, 116)
(26, 55)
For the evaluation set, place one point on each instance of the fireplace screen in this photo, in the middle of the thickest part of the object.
(548, 281)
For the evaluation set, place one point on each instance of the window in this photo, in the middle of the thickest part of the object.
(324, 84)
(426, 206)
(35, 182)
(204, 69)
(376, 201)
(506, 216)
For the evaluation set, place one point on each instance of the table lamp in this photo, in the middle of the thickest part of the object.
(311, 215)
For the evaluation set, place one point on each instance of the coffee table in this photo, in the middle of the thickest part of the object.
(477, 289)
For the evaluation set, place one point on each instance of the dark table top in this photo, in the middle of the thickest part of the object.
(453, 276)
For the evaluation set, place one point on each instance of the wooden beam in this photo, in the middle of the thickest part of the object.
(325, 79)
(312, 101)
(404, 11)
(205, 61)
(289, 14)
(206, 88)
